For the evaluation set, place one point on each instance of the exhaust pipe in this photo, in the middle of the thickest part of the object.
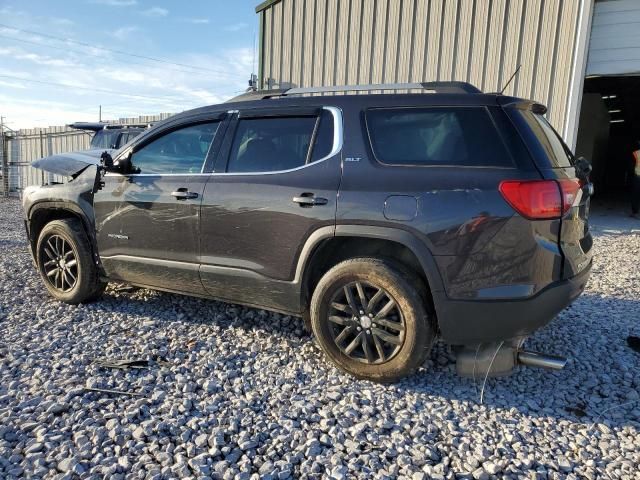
(535, 359)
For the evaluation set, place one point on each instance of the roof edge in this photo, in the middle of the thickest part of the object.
(266, 4)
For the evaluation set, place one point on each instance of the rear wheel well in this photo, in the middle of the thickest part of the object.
(337, 249)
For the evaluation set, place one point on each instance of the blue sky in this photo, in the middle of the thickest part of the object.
(207, 48)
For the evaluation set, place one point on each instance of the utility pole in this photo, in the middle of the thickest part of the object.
(5, 163)
(100, 113)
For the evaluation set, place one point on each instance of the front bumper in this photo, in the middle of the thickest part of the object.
(470, 322)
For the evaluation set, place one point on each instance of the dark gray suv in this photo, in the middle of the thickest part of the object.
(385, 219)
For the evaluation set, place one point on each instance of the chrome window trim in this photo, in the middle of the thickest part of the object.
(113, 174)
(336, 147)
(338, 141)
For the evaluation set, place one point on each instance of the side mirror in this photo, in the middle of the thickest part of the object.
(122, 165)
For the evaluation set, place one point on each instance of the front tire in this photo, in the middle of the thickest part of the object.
(66, 264)
(370, 318)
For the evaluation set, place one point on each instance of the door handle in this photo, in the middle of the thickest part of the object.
(309, 200)
(183, 194)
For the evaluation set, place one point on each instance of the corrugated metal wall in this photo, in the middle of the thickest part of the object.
(338, 42)
(615, 38)
(26, 145)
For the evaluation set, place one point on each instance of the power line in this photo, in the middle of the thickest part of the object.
(76, 87)
(65, 49)
(119, 52)
(101, 90)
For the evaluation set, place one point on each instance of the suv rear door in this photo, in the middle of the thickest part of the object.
(275, 183)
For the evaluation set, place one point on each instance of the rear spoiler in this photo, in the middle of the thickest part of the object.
(520, 103)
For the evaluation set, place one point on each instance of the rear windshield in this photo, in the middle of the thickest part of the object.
(464, 136)
(551, 142)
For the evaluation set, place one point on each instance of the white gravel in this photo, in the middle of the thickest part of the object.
(246, 394)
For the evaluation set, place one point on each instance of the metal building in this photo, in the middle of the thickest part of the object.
(565, 47)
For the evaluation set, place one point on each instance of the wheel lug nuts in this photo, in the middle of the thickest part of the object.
(373, 325)
(371, 315)
(359, 328)
(368, 332)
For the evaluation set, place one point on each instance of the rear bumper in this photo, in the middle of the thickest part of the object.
(469, 322)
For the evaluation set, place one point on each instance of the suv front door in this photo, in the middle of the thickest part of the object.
(275, 183)
(147, 223)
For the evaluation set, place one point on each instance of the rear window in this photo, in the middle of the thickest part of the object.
(551, 142)
(462, 136)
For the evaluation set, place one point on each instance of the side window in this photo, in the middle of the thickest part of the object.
(106, 138)
(179, 151)
(269, 144)
(464, 136)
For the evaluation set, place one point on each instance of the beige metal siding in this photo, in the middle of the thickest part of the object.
(338, 42)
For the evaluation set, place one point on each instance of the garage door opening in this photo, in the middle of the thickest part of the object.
(609, 131)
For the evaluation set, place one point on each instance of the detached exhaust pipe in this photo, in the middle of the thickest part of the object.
(535, 359)
(496, 360)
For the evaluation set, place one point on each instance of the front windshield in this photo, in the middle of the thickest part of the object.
(105, 139)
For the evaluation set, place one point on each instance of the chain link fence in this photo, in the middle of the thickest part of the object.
(19, 148)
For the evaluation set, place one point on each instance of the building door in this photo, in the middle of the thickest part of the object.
(614, 48)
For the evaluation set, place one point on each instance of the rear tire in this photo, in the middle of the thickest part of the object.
(66, 264)
(380, 331)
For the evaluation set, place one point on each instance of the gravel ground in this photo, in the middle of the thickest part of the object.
(233, 392)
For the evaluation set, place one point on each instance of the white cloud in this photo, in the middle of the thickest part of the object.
(62, 22)
(20, 54)
(235, 27)
(123, 33)
(12, 84)
(156, 12)
(122, 89)
(196, 21)
(116, 3)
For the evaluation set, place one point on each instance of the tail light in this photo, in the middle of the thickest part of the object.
(540, 199)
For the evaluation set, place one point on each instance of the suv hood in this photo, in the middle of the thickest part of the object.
(70, 163)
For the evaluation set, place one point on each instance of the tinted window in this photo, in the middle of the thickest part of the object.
(179, 151)
(107, 138)
(127, 137)
(463, 136)
(271, 144)
(551, 142)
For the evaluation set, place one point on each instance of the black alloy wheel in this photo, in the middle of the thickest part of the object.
(66, 262)
(371, 317)
(367, 323)
(61, 263)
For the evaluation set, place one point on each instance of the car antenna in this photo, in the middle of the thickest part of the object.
(511, 79)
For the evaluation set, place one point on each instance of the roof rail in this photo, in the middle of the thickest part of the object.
(258, 95)
(427, 87)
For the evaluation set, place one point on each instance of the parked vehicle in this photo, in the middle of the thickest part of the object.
(386, 220)
(109, 136)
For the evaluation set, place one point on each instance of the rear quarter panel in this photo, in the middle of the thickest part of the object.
(482, 249)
